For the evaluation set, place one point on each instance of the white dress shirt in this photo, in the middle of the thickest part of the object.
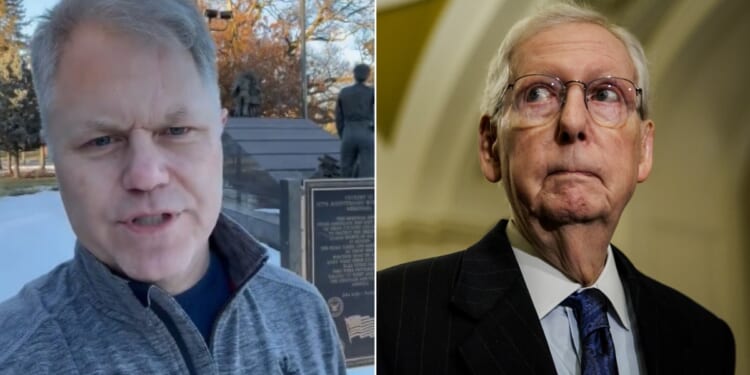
(549, 287)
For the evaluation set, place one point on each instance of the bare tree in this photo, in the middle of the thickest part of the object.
(264, 38)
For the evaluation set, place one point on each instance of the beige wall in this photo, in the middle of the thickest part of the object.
(687, 226)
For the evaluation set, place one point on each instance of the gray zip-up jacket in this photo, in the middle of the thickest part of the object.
(83, 319)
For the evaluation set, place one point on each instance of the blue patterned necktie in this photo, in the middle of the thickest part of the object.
(597, 349)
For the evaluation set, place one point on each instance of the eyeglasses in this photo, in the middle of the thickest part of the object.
(538, 98)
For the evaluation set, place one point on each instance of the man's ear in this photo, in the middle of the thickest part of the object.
(647, 151)
(224, 117)
(489, 155)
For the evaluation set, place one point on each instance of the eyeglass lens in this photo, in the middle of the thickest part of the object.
(539, 98)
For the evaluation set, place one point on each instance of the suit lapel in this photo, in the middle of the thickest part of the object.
(660, 343)
(508, 337)
(646, 322)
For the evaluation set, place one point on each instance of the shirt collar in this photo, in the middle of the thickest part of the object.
(548, 286)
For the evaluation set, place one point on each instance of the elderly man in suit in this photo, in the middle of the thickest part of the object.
(566, 129)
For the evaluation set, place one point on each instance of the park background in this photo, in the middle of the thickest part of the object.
(263, 38)
(688, 225)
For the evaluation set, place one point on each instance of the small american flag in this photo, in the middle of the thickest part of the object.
(362, 326)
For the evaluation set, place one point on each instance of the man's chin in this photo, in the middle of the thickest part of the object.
(148, 271)
(558, 214)
(148, 277)
(570, 206)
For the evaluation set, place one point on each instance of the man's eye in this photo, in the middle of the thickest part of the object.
(605, 94)
(538, 94)
(100, 141)
(176, 131)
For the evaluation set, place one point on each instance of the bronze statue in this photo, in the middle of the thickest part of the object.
(246, 95)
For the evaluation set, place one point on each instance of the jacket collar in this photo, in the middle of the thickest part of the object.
(113, 294)
(508, 337)
(660, 328)
(243, 254)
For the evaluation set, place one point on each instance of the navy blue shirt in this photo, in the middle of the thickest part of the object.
(204, 301)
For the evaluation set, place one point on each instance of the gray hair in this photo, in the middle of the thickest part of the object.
(500, 73)
(169, 22)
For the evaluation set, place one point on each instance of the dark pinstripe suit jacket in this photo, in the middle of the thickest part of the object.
(471, 313)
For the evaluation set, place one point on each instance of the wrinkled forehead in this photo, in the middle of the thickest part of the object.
(127, 80)
(576, 48)
(91, 49)
(101, 40)
(154, 35)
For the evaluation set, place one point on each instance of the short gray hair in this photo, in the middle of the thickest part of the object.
(500, 73)
(171, 22)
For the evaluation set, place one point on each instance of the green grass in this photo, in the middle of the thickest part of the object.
(10, 187)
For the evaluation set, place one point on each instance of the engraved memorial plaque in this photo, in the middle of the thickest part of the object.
(340, 259)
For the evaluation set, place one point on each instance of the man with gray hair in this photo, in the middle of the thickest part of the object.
(161, 281)
(566, 129)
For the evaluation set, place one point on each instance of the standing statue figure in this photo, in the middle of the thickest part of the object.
(355, 109)
(246, 95)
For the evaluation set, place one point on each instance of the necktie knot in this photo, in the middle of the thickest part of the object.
(590, 307)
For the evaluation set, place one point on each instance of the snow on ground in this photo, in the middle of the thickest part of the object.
(35, 236)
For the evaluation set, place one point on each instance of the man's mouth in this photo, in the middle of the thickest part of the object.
(584, 173)
(151, 220)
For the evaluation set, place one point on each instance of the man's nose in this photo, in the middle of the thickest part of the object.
(145, 165)
(574, 117)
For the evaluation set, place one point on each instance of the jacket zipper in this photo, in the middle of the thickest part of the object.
(172, 328)
(232, 297)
